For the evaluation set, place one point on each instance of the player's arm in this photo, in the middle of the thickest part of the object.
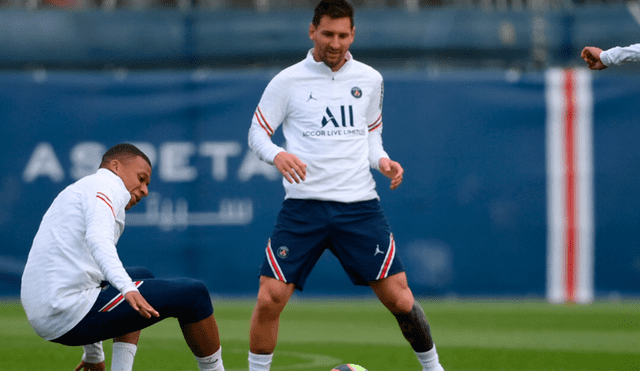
(597, 59)
(100, 219)
(619, 55)
(289, 165)
(378, 158)
(268, 116)
(381, 161)
(373, 115)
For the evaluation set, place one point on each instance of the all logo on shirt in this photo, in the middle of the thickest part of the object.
(330, 118)
(336, 122)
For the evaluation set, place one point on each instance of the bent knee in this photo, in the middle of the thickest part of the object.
(274, 296)
(401, 306)
(400, 302)
(195, 300)
(271, 300)
(198, 287)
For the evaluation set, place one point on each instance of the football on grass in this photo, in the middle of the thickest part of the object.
(349, 367)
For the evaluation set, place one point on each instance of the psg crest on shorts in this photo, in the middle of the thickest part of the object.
(356, 92)
(283, 252)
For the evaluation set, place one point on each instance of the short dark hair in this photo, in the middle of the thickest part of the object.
(121, 152)
(334, 9)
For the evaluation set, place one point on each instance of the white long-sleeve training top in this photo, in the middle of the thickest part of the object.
(620, 55)
(73, 251)
(332, 121)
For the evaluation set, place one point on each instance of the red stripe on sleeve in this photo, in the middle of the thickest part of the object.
(268, 127)
(105, 196)
(108, 204)
(376, 123)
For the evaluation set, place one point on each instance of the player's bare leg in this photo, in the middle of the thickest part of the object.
(203, 339)
(395, 294)
(273, 296)
(131, 338)
(202, 336)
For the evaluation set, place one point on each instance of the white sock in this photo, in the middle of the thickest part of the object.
(122, 356)
(260, 362)
(212, 362)
(429, 360)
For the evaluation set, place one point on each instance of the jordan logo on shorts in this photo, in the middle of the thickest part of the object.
(378, 251)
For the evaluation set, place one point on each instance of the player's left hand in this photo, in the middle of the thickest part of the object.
(84, 366)
(391, 170)
(591, 55)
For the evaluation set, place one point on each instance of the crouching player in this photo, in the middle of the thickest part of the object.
(74, 286)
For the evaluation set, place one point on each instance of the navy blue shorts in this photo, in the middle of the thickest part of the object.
(111, 316)
(356, 233)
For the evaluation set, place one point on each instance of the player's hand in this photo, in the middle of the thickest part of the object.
(391, 170)
(591, 55)
(291, 167)
(138, 302)
(90, 366)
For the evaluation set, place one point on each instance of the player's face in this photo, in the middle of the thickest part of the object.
(136, 175)
(332, 39)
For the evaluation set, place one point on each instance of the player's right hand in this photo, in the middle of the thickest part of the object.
(291, 167)
(84, 366)
(138, 302)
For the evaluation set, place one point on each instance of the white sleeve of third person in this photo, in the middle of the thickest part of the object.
(620, 55)
(374, 123)
(268, 116)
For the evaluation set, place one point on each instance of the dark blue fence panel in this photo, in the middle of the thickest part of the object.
(469, 219)
(617, 193)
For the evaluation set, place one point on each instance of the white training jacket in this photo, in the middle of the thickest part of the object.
(73, 251)
(332, 121)
(620, 55)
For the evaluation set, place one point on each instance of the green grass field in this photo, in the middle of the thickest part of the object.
(317, 334)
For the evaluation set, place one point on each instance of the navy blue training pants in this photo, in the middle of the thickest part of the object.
(111, 316)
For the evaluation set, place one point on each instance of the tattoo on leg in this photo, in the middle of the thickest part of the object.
(415, 328)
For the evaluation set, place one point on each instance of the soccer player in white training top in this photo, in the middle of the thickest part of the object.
(75, 290)
(330, 109)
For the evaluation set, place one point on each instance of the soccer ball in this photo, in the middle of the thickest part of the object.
(349, 367)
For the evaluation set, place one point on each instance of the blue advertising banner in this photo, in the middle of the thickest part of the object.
(469, 219)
